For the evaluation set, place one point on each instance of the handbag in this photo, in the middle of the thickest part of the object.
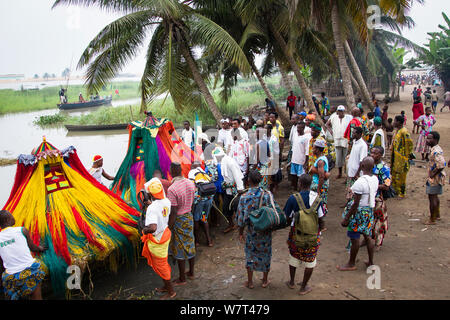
(205, 189)
(267, 218)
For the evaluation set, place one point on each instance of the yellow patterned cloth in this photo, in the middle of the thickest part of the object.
(402, 148)
(182, 246)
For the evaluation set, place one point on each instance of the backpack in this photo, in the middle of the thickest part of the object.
(306, 223)
(205, 189)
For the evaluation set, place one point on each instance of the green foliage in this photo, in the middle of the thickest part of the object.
(47, 98)
(438, 53)
(54, 119)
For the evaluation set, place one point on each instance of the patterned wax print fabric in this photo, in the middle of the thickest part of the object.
(382, 171)
(182, 246)
(402, 147)
(21, 284)
(362, 221)
(312, 158)
(306, 255)
(324, 190)
(437, 160)
(258, 245)
(428, 122)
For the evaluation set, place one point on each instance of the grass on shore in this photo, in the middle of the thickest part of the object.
(47, 98)
(246, 94)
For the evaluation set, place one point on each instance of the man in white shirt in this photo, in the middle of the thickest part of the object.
(300, 148)
(97, 170)
(358, 153)
(236, 124)
(239, 150)
(233, 183)
(224, 136)
(359, 218)
(15, 256)
(187, 135)
(337, 124)
(156, 235)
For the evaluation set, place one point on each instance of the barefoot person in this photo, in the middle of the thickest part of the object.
(258, 245)
(402, 153)
(436, 176)
(382, 172)
(306, 255)
(181, 222)
(320, 174)
(202, 204)
(358, 216)
(23, 274)
(156, 235)
(426, 123)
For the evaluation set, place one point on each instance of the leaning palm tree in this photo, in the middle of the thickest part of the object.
(171, 66)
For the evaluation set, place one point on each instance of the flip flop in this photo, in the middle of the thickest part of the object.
(346, 269)
(307, 290)
(189, 276)
(167, 296)
(160, 290)
(178, 283)
(264, 285)
(247, 286)
(289, 285)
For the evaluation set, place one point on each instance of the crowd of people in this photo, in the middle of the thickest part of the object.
(241, 171)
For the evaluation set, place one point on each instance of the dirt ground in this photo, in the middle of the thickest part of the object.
(414, 259)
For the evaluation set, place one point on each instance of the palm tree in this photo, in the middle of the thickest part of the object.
(339, 43)
(65, 73)
(171, 66)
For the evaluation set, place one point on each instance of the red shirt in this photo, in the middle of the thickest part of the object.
(291, 101)
(419, 92)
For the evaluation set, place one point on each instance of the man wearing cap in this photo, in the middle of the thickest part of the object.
(316, 133)
(156, 235)
(358, 153)
(378, 136)
(97, 170)
(300, 145)
(233, 183)
(224, 136)
(337, 124)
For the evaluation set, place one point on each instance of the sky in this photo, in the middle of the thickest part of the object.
(37, 39)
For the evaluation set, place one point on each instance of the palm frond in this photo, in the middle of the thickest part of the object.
(209, 34)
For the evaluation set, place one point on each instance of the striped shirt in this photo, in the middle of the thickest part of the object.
(181, 195)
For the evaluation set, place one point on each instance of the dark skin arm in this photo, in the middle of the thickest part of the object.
(107, 176)
(151, 228)
(172, 216)
(352, 211)
(31, 245)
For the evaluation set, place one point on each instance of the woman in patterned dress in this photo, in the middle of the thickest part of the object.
(258, 245)
(382, 171)
(425, 122)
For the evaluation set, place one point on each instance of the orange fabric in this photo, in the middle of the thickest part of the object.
(160, 265)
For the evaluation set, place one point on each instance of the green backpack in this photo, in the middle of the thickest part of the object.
(306, 223)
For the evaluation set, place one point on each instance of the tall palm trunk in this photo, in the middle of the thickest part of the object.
(201, 83)
(294, 66)
(284, 116)
(358, 76)
(345, 71)
(285, 79)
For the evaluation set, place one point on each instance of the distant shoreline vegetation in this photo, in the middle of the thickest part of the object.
(12, 101)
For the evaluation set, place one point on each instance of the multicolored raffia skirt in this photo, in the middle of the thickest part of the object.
(182, 246)
(21, 284)
(306, 255)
